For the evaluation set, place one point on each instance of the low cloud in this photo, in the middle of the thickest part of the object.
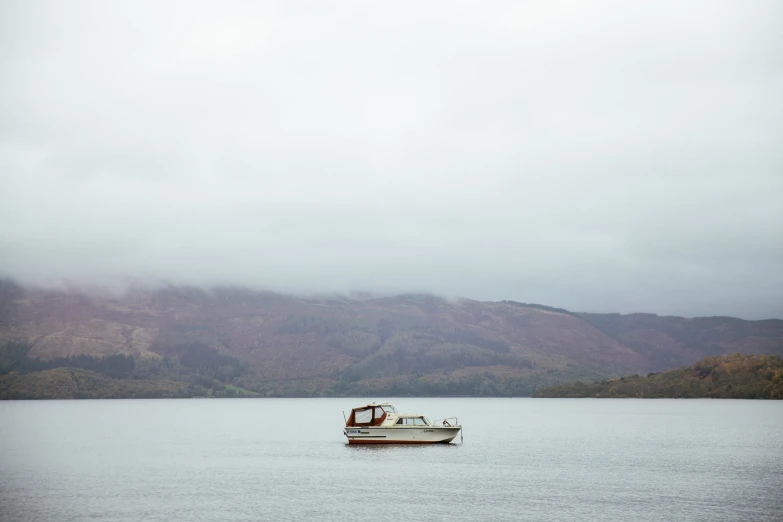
(595, 156)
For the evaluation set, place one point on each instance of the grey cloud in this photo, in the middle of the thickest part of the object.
(598, 156)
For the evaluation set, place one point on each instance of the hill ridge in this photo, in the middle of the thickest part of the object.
(326, 345)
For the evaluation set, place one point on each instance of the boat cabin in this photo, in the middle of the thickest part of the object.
(372, 414)
(384, 413)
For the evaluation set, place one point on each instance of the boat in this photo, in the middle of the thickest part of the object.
(381, 423)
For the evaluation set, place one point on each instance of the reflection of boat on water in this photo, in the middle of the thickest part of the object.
(381, 423)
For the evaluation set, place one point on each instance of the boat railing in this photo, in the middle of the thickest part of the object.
(448, 422)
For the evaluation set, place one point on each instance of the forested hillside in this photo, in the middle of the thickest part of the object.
(729, 377)
(278, 345)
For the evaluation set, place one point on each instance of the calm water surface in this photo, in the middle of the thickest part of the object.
(286, 459)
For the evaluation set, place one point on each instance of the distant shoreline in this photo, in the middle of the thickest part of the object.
(729, 377)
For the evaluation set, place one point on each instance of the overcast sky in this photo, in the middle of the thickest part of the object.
(598, 156)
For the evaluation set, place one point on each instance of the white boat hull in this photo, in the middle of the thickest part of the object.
(401, 434)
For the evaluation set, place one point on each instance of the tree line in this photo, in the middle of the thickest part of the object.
(733, 376)
(199, 371)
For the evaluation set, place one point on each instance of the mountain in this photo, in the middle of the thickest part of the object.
(730, 377)
(282, 345)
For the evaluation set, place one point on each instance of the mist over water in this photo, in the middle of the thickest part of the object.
(286, 459)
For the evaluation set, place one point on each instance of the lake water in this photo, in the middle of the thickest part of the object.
(286, 459)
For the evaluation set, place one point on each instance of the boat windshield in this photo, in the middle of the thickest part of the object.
(389, 408)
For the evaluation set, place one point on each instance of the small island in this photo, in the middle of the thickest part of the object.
(729, 377)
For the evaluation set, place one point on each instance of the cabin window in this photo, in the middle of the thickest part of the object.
(413, 421)
(378, 412)
(364, 416)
